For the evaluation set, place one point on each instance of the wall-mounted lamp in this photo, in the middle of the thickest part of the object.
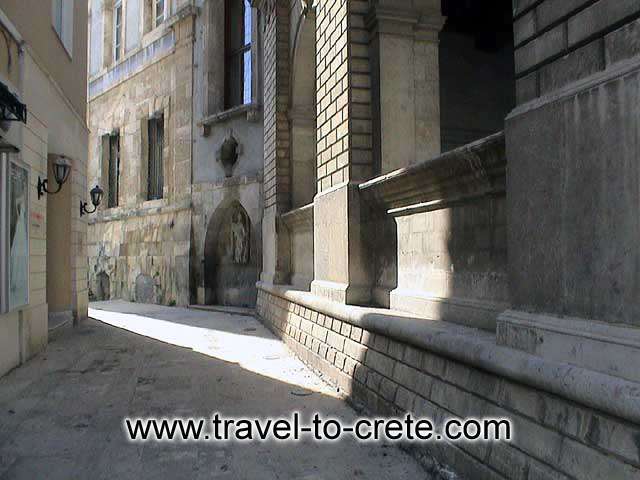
(96, 198)
(61, 171)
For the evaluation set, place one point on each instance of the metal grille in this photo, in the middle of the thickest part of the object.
(155, 179)
(114, 170)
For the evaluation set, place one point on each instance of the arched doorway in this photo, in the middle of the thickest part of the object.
(230, 258)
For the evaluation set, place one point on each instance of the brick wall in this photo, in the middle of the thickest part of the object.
(554, 438)
(562, 41)
(344, 148)
(276, 104)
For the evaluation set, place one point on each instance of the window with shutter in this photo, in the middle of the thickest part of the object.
(114, 170)
(155, 177)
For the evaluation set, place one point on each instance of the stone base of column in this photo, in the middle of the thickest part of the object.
(275, 250)
(341, 271)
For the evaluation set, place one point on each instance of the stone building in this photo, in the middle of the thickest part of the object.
(176, 143)
(43, 136)
(439, 198)
(468, 246)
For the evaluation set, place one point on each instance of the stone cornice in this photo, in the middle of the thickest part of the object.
(469, 172)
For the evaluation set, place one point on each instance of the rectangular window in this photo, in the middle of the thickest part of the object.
(159, 12)
(62, 20)
(238, 66)
(14, 233)
(117, 30)
(114, 170)
(155, 179)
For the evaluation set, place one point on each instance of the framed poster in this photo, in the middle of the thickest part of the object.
(4, 252)
(14, 223)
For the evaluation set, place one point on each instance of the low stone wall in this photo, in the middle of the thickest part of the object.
(438, 233)
(367, 355)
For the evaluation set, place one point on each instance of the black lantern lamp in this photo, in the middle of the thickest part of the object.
(96, 198)
(61, 171)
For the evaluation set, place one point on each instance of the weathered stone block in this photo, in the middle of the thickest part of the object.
(598, 17)
(541, 49)
(574, 66)
(623, 44)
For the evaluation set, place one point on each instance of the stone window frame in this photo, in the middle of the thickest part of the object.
(113, 156)
(118, 33)
(150, 15)
(157, 107)
(214, 110)
(153, 136)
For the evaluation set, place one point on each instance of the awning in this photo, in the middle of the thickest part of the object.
(11, 109)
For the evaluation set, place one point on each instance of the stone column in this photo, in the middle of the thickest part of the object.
(277, 199)
(344, 150)
(406, 81)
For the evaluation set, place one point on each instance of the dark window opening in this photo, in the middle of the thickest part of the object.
(477, 72)
(156, 146)
(238, 67)
(114, 170)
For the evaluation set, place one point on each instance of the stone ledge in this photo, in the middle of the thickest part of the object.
(250, 109)
(464, 174)
(124, 213)
(299, 218)
(470, 312)
(473, 347)
(611, 73)
(607, 348)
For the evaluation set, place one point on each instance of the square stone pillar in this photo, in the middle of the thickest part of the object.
(344, 149)
(406, 81)
(277, 178)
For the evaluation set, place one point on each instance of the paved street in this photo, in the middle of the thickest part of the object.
(61, 414)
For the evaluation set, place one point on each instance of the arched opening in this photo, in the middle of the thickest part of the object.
(230, 258)
(477, 73)
(302, 112)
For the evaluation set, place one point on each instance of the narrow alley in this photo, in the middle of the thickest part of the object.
(61, 414)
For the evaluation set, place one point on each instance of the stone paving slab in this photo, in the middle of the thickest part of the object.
(61, 413)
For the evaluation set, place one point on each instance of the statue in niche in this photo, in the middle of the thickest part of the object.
(240, 238)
